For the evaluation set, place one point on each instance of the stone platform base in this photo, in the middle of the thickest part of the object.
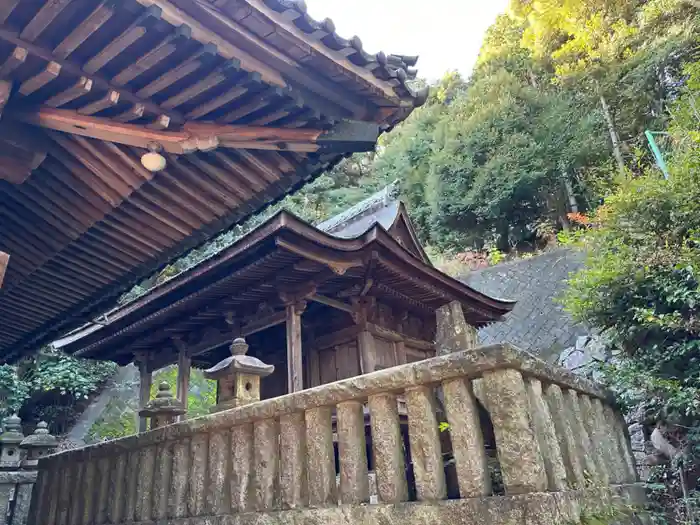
(560, 508)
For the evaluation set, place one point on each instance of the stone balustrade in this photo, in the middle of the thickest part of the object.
(559, 444)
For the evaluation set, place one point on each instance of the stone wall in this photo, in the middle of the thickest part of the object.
(538, 322)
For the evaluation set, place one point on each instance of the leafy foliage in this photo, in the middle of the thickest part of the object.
(51, 386)
(641, 288)
(119, 418)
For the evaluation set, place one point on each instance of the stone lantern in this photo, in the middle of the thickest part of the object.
(238, 377)
(11, 437)
(163, 409)
(38, 445)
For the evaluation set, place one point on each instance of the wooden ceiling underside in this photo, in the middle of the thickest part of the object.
(80, 217)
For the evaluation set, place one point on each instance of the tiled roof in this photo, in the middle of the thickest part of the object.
(380, 208)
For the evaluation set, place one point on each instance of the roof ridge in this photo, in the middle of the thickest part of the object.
(383, 197)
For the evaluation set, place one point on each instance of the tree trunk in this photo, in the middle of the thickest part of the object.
(617, 152)
(573, 205)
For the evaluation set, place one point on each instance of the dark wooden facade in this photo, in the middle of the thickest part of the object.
(319, 306)
(247, 100)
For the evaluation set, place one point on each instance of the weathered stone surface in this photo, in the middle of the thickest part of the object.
(266, 464)
(241, 467)
(565, 436)
(132, 474)
(277, 445)
(75, 495)
(543, 425)
(217, 493)
(597, 438)
(117, 487)
(387, 446)
(102, 496)
(293, 461)
(352, 449)
(531, 509)
(161, 484)
(145, 483)
(177, 493)
(5, 495)
(628, 456)
(467, 439)
(320, 457)
(518, 451)
(467, 364)
(581, 437)
(610, 449)
(424, 438)
(197, 475)
(23, 497)
(453, 334)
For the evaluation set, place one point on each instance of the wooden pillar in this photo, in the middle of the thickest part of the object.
(453, 333)
(295, 370)
(363, 312)
(184, 368)
(145, 380)
(368, 352)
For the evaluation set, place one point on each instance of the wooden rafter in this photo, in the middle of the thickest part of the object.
(4, 260)
(195, 136)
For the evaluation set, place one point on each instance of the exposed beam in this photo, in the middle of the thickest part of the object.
(80, 34)
(5, 92)
(16, 59)
(345, 136)
(47, 14)
(177, 17)
(4, 260)
(90, 69)
(80, 88)
(110, 99)
(43, 77)
(333, 303)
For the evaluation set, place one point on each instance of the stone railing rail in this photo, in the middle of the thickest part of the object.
(555, 432)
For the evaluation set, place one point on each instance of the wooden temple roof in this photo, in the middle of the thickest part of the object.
(246, 99)
(247, 282)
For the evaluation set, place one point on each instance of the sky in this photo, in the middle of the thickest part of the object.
(447, 34)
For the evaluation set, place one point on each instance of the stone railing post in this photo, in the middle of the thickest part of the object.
(467, 439)
(387, 446)
(518, 451)
(238, 377)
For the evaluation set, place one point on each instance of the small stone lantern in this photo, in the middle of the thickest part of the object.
(163, 409)
(238, 377)
(38, 445)
(11, 437)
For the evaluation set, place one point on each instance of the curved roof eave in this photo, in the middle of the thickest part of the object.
(284, 221)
